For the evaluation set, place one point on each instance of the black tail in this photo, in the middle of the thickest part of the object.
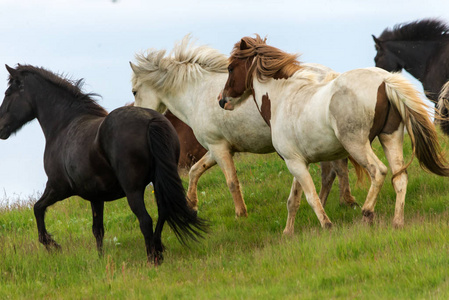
(168, 189)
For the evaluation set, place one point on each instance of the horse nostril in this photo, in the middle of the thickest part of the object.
(222, 103)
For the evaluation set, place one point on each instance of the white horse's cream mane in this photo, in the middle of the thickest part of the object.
(185, 64)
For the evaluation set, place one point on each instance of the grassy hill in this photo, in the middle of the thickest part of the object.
(240, 258)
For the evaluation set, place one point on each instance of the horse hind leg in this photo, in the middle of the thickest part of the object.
(393, 148)
(137, 205)
(377, 171)
(330, 170)
(340, 167)
(327, 179)
(157, 237)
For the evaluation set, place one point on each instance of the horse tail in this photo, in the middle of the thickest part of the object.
(417, 119)
(360, 172)
(168, 189)
(443, 108)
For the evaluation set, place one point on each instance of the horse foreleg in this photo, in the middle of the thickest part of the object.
(299, 169)
(226, 163)
(340, 167)
(327, 179)
(195, 173)
(97, 224)
(293, 202)
(392, 145)
(49, 197)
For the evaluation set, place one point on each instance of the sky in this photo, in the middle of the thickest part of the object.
(96, 39)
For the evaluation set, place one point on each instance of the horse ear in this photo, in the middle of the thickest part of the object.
(376, 40)
(243, 45)
(133, 67)
(13, 72)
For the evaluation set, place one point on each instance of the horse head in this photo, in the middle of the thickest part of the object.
(16, 108)
(253, 57)
(144, 93)
(237, 86)
(385, 58)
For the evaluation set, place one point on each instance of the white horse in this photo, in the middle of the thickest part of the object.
(313, 121)
(187, 82)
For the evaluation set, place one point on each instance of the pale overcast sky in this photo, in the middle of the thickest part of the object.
(95, 40)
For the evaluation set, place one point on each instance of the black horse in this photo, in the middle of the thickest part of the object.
(421, 48)
(100, 156)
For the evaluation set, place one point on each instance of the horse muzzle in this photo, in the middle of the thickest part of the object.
(5, 128)
(224, 103)
(5, 132)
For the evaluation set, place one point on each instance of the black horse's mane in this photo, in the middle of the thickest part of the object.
(421, 30)
(74, 87)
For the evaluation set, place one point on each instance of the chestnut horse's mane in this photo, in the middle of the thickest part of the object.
(267, 61)
(185, 63)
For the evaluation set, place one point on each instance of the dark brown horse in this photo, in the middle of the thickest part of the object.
(422, 49)
(99, 156)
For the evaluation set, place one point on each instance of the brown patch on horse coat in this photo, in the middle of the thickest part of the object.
(265, 109)
(386, 116)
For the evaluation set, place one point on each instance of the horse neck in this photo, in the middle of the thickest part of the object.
(54, 113)
(193, 100)
(415, 56)
(272, 90)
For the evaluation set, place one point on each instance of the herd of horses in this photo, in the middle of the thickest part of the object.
(267, 101)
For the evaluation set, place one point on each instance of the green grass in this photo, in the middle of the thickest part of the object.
(241, 258)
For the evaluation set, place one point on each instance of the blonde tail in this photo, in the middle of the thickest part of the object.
(417, 119)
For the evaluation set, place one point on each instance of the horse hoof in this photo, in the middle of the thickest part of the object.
(368, 217)
(354, 205)
(398, 224)
(349, 203)
(158, 259)
(241, 214)
(288, 232)
(327, 225)
(53, 246)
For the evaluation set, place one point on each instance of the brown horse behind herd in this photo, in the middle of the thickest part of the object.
(191, 149)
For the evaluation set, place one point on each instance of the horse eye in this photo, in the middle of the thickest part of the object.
(134, 93)
(230, 70)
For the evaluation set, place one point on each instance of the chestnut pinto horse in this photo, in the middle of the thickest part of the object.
(313, 121)
(100, 156)
(187, 82)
